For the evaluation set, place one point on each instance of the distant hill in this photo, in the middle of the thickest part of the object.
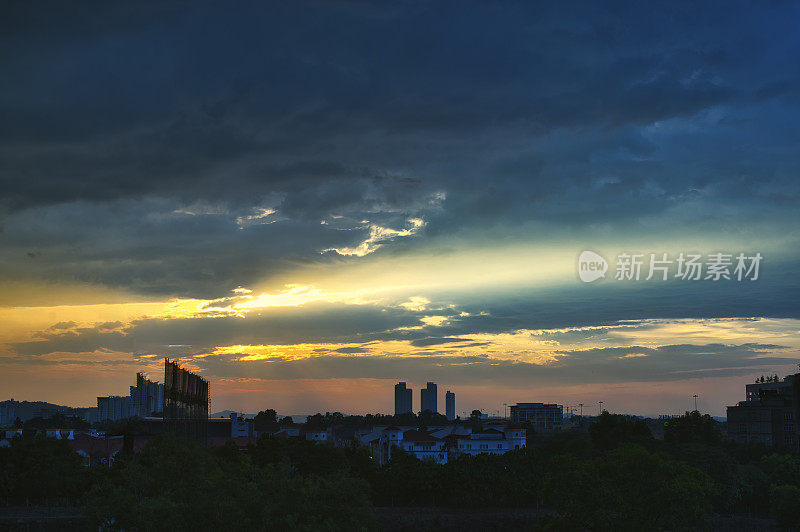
(26, 410)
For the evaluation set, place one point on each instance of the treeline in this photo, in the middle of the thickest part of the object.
(614, 476)
(56, 421)
(268, 419)
(176, 484)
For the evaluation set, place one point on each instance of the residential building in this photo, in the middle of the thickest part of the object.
(382, 445)
(769, 414)
(288, 431)
(450, 405)
(428, 398)
(147, 397)
(113, 407)
(402, 399)
(318, 435)
(438, 443)
(6, 436)
(489, 441)
(241, 427)
(542, 416)
(89, 415)
(422, 445)
(7, 414)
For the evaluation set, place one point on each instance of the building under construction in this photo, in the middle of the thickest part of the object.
(185, 402)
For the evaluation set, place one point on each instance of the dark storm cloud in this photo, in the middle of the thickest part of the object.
(478, 117)
(425, 342)
(287, 325)
(572, 365)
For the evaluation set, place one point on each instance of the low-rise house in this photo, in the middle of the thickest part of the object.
(319, 435)
(289, 431)
(6, 436)
(451, 430)
(424, 446)
(344, 436)
(388, 438)
(491, 441)
(437, 443)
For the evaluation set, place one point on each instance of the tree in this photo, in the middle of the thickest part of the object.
(692, 427)
(628, 489)
(175, 484)
(56, 421)
(782, 468)
(612, 430)
(316, 421)
(784, 500)
(265, 420)
(428, 418)
(41, 470)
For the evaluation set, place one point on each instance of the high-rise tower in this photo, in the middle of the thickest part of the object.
(402, 399)
(450, 405)
(428, 398)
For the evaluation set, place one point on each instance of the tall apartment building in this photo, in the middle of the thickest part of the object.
(402, 399)
(147, 397)
(8, 413)
(113, 407)
(428, 399)
(769, 414)
(450, 405)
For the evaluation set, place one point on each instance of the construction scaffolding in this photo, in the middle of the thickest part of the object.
(186, 399)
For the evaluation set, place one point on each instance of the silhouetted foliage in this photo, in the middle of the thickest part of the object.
(612, 430)
(40, 470)
(613, 476)
(785, 500)
(58, 420)
(264, 420)
(692, 427)
(630, 488)
(179, 485)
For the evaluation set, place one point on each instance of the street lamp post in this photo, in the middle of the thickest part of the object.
(695, 402)
(601, 406)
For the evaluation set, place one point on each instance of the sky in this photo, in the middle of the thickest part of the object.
(308, 202)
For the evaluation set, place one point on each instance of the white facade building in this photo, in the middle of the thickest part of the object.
(440, 443)
(424, 446)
